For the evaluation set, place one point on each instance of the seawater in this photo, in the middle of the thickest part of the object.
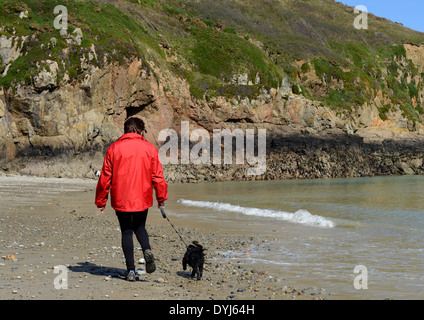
(317, 231)
(321, 230)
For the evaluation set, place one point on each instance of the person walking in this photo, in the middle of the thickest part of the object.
(131, 170)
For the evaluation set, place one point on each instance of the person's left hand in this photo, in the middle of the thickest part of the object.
(101, 209)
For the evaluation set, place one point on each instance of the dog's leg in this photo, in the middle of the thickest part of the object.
(195, 271)
(184, 264)
(200, 272)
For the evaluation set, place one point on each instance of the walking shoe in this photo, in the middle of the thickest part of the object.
(150, 261)
(130, 276)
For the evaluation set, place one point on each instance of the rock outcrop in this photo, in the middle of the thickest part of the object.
(64, 132)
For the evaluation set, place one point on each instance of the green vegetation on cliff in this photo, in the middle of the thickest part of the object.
(321, 35)
(114, 35)
(211, 43)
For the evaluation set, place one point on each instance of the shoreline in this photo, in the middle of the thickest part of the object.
(48, 222)
(59, 230)
(96, 268)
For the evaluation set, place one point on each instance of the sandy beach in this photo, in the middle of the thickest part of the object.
(63, 229)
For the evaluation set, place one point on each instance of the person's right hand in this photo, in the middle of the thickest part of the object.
(161, 204)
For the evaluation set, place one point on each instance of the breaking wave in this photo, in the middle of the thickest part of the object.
(300, 216)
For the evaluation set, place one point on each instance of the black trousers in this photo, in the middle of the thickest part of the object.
(133, 223)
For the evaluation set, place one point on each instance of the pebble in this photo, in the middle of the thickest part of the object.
(160, 280)
(140, 272)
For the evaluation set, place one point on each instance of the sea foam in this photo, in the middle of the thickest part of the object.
(300, 216)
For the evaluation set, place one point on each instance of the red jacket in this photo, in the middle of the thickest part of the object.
(130, 169)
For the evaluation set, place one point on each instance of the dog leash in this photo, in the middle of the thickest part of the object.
(162, 210)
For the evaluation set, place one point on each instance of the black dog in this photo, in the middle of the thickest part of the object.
(195, 258)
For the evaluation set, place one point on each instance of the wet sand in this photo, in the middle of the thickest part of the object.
(53, 222)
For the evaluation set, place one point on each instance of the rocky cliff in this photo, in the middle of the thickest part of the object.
(62, 108)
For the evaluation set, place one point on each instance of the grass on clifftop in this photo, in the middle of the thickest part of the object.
(119, 31)
(321, 33)
(211, 42)
(115, 35)
(218, 56)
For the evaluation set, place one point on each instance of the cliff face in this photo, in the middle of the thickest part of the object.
(79, 118)
(57, 123)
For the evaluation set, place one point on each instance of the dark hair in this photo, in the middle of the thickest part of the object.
(134, 125)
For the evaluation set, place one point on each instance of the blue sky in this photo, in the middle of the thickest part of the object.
(408, 12)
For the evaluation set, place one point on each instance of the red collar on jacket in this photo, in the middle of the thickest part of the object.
(131, 135)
